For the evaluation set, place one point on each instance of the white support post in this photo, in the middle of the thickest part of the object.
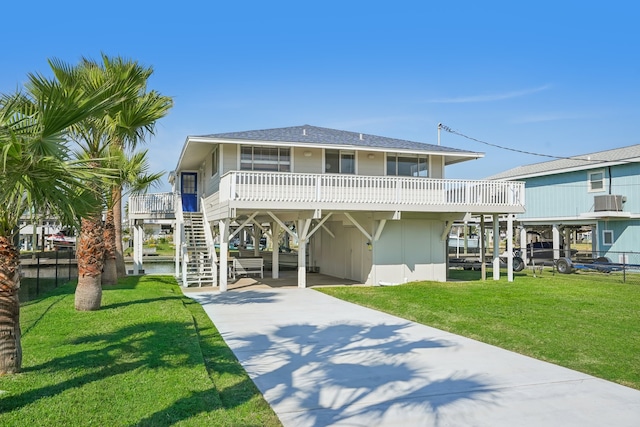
(224, 253)
(482, 243)
(510, 248)
(138, 238)
(523, 245)
(567, 242)
(555, 231)
(302, 253)
(275, 250)
(496, 247)
(177, 230)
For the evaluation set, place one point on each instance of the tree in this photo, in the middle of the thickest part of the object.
(133, 177)
(128, 124)
(38, 174)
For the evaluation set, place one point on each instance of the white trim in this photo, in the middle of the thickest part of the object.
(589, 181)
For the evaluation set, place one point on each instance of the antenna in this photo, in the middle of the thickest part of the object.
(439, 128)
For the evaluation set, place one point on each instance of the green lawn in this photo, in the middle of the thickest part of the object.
(590, 323)
(149, 357)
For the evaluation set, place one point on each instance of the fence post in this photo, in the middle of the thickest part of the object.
(624, 267)
(56, 285)
(37, 274)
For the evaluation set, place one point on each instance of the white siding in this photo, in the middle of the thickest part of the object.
(311, 163)
(372, 167)
(436, 167)
(229, 155)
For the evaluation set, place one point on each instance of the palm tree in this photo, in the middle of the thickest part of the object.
(129, 125)
(93, 138)
(133, 177)
(37, 174)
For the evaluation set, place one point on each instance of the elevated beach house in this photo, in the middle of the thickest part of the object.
(597, 192)
(367, 208)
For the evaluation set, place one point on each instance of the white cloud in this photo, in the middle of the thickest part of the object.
(489, 97)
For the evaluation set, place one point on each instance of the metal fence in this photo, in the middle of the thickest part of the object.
(44, 271)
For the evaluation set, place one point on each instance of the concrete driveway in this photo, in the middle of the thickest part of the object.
(320, 361)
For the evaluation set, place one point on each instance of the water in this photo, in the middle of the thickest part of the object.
(156, 267)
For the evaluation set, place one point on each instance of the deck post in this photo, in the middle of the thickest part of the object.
(496, 247)
(510, 248)
(555, 231)
(138, 238)
(302, 254)
(224, 253)
(275, 250)
(523, 245)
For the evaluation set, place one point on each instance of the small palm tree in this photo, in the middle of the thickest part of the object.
(37, 174)
(133, 177)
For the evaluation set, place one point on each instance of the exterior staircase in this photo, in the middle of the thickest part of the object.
(200, 260)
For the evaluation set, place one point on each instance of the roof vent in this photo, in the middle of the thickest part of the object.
(361, 138)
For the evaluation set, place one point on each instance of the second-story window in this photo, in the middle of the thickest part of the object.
(407, 165)
(257, 158)
(339, 161)
(596, 181)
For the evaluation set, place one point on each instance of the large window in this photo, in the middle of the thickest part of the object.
(596, 181)
(257, 158)
(339, 161)
(407, 165)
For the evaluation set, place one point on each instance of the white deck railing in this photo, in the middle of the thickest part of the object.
(157, 203)
(329, 188)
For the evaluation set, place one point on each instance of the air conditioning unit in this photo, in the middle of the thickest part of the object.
(609, 202)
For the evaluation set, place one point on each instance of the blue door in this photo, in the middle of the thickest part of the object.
(189, 190)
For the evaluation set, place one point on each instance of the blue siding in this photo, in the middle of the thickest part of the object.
(568, 195)
(626, 238)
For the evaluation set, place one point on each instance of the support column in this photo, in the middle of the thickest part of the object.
(482, 243)
(302, 255)
(496, 247)
(510, 248)
(177, 230)
(138, 239)
(567, 242)
(275, 250)
(224, 253)
(523, 245)
(555, 231)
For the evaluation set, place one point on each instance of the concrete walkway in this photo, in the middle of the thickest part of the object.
(320, 361)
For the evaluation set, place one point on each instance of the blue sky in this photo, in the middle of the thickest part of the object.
(559, 78)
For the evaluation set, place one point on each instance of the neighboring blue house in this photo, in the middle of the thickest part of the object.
(599, 190)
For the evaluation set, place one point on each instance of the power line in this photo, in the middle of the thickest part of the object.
(579, 159)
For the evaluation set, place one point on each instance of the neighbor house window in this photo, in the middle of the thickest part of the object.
(607, 237)
(339, 161)
(257, 158)
(596, 181)
(407, 165)
(214, 162)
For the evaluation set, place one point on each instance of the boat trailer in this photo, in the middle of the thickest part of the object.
(601, 265)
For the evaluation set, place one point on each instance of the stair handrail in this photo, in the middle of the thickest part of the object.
(208, 236)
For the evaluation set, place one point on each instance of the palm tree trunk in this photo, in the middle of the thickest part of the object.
(117, 221)
(90, 255)
(109, 273)
(10, 347)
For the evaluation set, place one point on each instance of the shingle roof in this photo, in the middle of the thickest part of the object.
(581, 162)
(307, 134)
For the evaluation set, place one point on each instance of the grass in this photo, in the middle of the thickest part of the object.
(590, 323)
(149, 357)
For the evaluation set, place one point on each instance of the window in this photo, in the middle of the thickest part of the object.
(407, 165)
(596, 181)
(214, 162)
(257, 158)
(607, 237)
(338, 161)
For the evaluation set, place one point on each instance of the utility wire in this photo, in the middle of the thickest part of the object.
(579, 159)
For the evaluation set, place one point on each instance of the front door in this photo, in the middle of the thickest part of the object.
(189, 190)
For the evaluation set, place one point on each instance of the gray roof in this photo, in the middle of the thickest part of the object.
(581, 162)
(307, 134)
